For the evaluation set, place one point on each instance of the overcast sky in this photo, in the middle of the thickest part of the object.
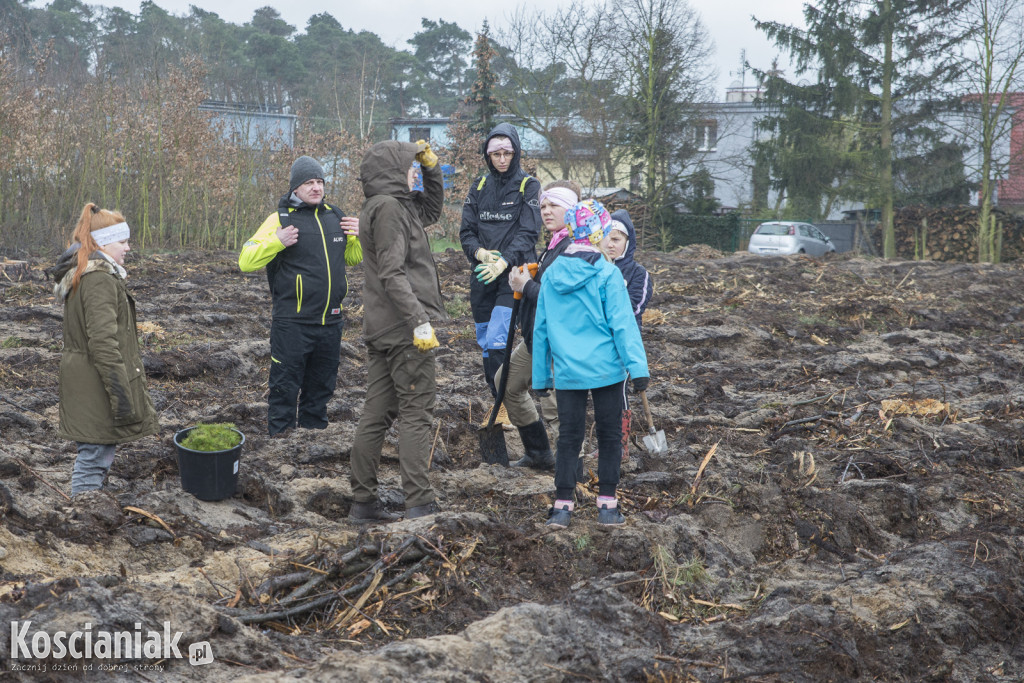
(395, 21)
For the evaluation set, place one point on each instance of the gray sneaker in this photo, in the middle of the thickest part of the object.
(559, 518)
(607, 516)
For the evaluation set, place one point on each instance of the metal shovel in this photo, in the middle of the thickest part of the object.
(655, 443)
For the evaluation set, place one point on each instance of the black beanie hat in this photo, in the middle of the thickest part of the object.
(305, 168)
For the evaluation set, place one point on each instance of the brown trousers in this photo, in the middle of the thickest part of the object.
(401, 383)
(518, 401)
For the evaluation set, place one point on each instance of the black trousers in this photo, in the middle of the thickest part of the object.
(572, 421)
(304, 362)
(492, 313)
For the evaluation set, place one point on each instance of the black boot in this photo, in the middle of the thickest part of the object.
(492, 363)
(536, 447)
(368, 513)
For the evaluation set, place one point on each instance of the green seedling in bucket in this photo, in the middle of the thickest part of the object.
(221, 436)
(208, 457)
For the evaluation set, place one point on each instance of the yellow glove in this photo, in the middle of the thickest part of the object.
(426, 157)
(423, 338)
(488, 272)
(485, 256)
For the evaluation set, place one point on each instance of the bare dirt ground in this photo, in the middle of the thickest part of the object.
(841, 500)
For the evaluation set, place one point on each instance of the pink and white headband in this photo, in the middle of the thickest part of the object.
(118, 232)
(562, 196)
(499, 142)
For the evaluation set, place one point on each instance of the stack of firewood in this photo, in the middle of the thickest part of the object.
(950, 233)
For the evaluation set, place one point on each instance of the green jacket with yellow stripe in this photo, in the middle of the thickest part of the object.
(307, 280)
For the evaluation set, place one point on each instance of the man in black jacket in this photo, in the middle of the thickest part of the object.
(305, 246)
(500, 227)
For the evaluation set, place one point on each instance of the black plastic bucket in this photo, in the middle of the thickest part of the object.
(208, 475)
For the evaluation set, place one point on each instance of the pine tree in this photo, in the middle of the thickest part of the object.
(481, 98)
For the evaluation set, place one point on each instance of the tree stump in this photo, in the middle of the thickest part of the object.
(13, 271)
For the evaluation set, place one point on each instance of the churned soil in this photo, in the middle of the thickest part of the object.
(841, 499)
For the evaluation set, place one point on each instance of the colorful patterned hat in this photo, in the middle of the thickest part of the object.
(587, 221)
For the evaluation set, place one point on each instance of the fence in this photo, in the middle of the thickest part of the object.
(731, 233)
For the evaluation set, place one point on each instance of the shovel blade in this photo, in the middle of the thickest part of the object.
(656, 444)
(492, 445)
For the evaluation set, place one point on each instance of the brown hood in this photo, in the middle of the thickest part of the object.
(385, 167)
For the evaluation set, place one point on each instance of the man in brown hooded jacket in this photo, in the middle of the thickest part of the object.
(401, 295)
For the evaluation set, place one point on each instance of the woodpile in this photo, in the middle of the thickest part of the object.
(950, 233)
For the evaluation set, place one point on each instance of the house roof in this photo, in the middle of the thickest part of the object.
(620, 193)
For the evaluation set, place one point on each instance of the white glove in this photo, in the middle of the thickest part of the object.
(484, 256)
(423, 338)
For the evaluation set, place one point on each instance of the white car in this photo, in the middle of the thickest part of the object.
(786, 237)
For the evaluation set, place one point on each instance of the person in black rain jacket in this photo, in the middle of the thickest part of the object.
(500, 227)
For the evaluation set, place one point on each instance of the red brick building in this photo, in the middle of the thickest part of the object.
(1011, 190)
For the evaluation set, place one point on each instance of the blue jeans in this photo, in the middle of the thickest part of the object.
(572, 419)
(91, 466)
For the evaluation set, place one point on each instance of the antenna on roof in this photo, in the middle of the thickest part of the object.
(742, 71)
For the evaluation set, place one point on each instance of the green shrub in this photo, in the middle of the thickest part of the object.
(212, 437)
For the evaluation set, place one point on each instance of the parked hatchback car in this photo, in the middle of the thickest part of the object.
(786, 237)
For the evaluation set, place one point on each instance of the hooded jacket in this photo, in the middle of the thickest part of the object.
(585, 325)
(401, 289)
(307, 280)
(638, 281)
(103, 397)
(502, 210)
(531, 292)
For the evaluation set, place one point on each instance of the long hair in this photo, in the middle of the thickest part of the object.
(92, 218)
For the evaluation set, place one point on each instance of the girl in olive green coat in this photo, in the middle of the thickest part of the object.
(103, 398)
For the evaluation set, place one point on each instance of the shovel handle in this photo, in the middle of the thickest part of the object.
(647, 411)
(532, 267)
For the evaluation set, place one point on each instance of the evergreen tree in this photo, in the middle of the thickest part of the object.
(700, 193)
(878, 65)
(481, 99)
(441, 65)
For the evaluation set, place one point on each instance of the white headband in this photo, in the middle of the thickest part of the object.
(118, 232)
(620, 226)
(562, 196)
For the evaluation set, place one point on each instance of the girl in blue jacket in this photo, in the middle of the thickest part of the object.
(586, 341)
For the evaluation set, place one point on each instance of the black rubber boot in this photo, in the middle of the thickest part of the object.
(537, 449)
(492, 363)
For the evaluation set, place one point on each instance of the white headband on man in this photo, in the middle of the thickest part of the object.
(118, 232)
(562, 196)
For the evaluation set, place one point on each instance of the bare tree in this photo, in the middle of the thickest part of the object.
(992, 76)
(666, 49)
(560, 79)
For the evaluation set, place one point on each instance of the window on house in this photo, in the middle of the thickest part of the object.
(705, 136)
(419, 134)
